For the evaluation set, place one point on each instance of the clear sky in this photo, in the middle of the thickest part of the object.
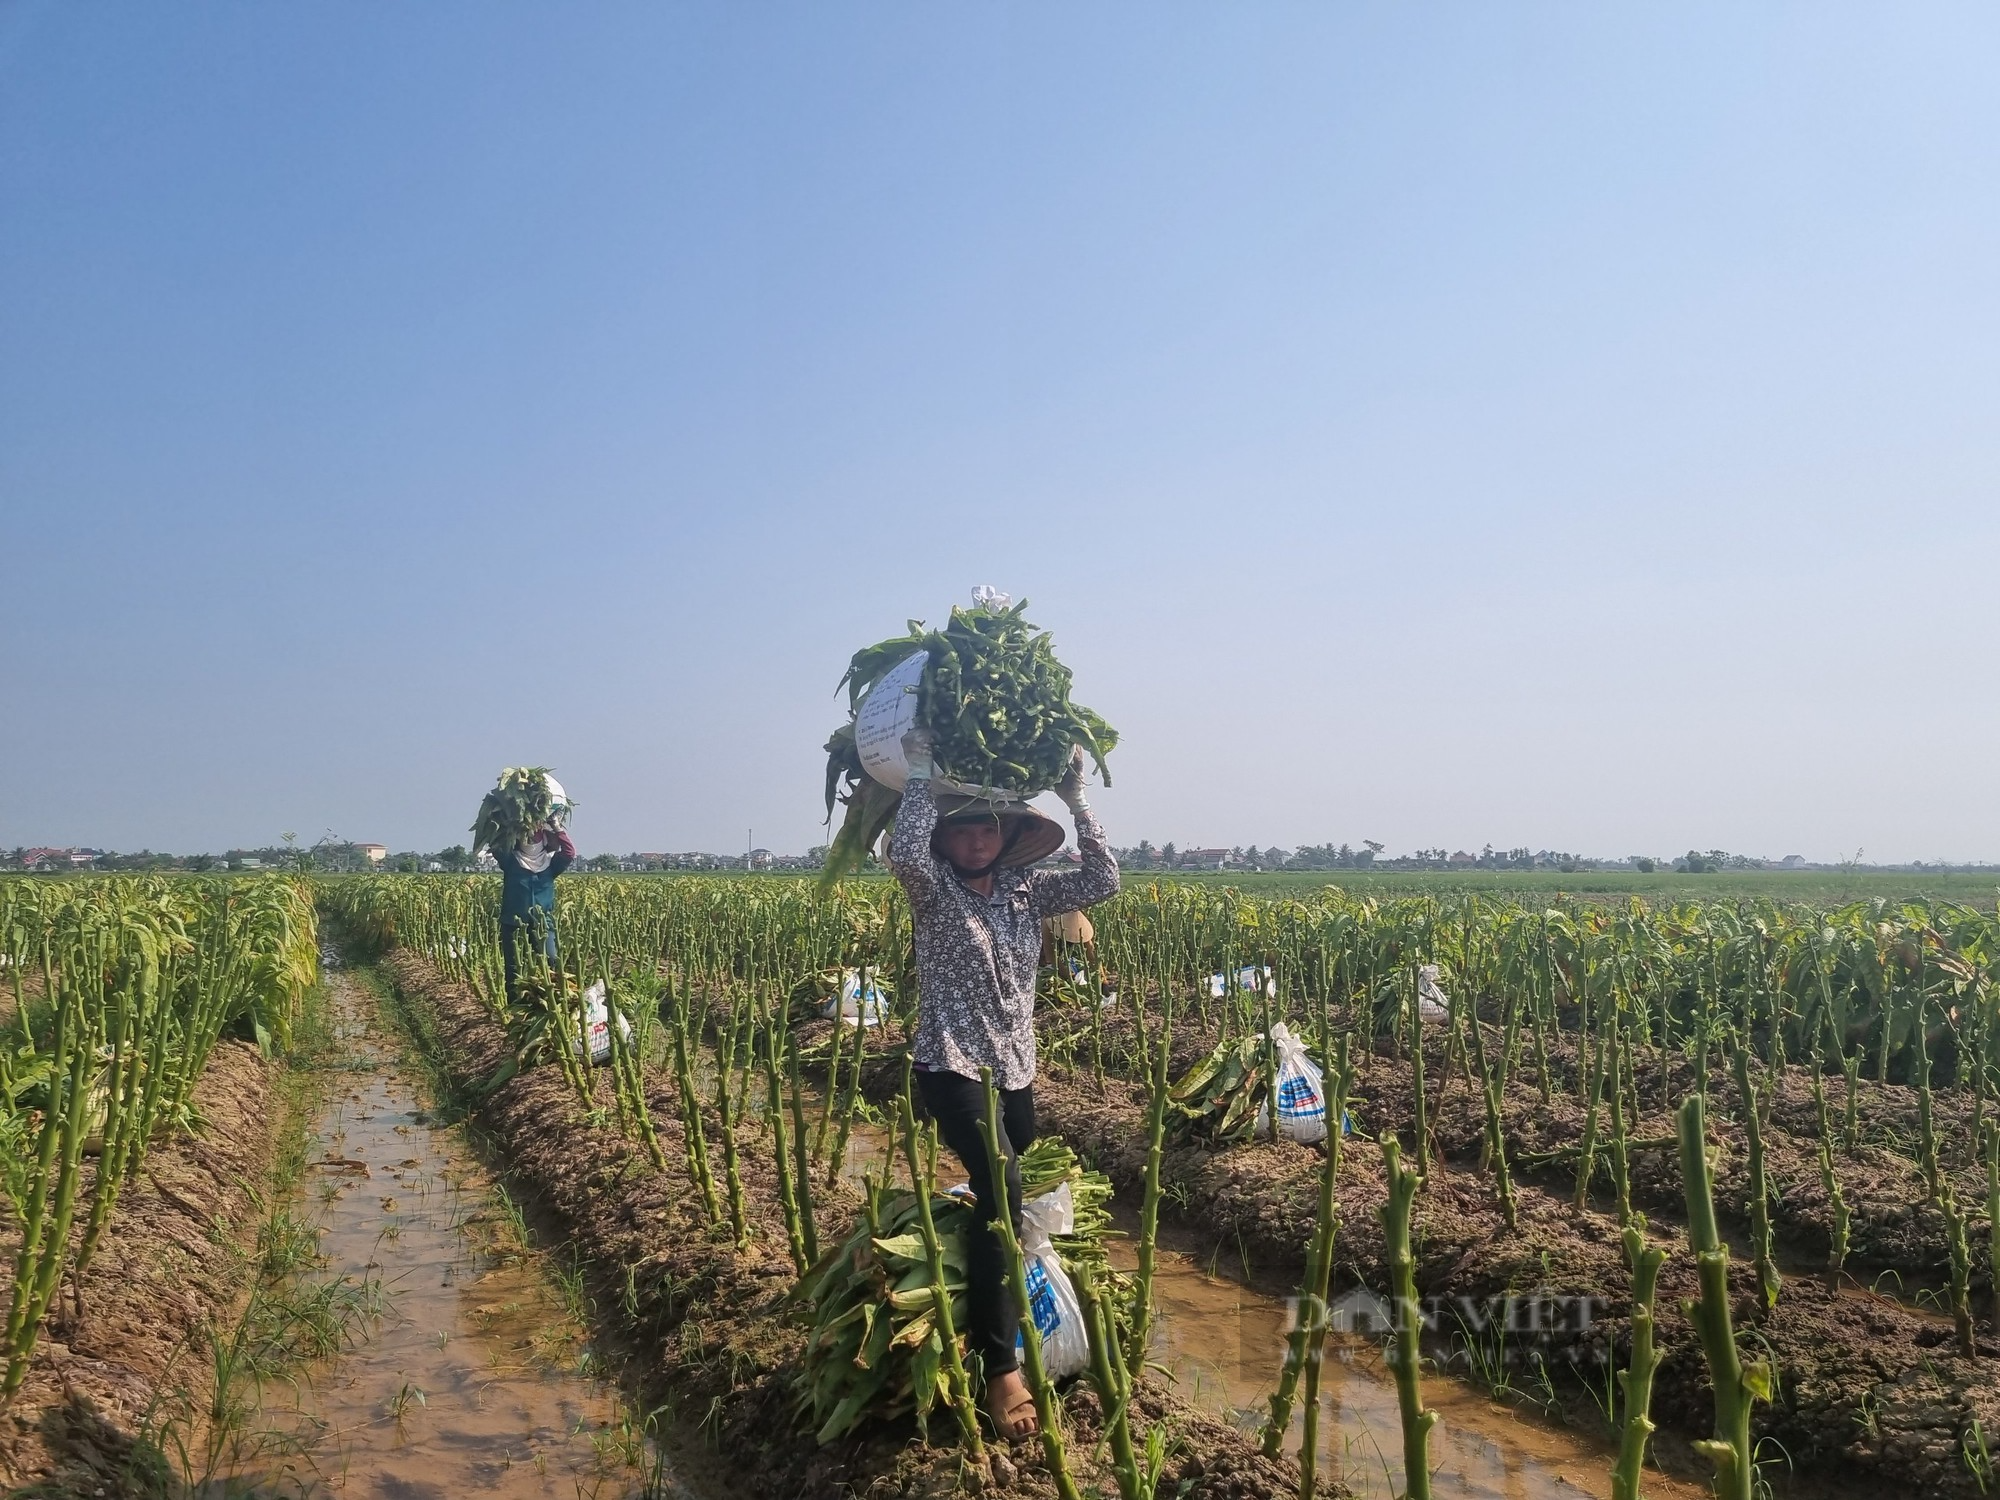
(1561, 425)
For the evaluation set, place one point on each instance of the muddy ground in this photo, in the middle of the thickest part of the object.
(1865, 1384)
(1869, 1389)
(168, 1266)
(706, 1329)
(1892, 1224)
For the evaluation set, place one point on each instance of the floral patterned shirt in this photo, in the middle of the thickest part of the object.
(977, 955)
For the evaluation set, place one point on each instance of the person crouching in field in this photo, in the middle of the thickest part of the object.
(978, 916)
(528, 894)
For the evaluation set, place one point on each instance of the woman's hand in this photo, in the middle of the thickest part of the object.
(1070, 788)
(917, 745)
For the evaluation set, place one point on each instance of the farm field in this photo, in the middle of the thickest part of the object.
(1817, 887)
(1564, 1118)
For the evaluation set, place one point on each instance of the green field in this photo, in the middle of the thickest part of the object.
(1816, 886)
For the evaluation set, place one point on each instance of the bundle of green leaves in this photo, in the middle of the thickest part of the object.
(1218, 1099)
(519, 805)
(874, 1352)
(997, 704)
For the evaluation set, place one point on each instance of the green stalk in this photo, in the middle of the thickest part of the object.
(1621, 1173)
(1836, 1256)
(1308, 1334)
(787, 1186)
(1761, 1239)
(729, 1109)
(628, 1080)
(1961, 1270)
(853, 1090)
(694, 1138)
(46, 1221)
(1490, 1088)
(1851, 1133)
(1114, 1385)
(801, 1165)
(1270, 1053)
(1159, 1064)
(1423, 1121)
(958, 1382)
(1926, 1122)
(1407, 1355)
(1586, 1161)
(1048, 1410)
(1636, 1380)
(1993, 1213)
(1736, 1384)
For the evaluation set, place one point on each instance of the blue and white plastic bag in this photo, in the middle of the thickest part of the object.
(854, 1004)
(596, 1039)
(1251, 979)
(1058, 1315)
(1301, 1093)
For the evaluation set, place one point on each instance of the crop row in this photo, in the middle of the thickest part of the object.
(116, 992)
(1682, 1059)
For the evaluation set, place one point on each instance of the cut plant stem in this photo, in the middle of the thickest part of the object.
(1761, 1239)
(1736, 1383)
(1635, 1381)
(1407, 1354)
(1048, 1410)
(958, 1382)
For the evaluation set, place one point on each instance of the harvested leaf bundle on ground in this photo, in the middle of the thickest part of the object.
(874, 1352)
(1226, 1096)
(515, 809)
(996, 702)
(1219, 1097)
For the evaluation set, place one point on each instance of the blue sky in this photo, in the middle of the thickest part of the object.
(1440, 425)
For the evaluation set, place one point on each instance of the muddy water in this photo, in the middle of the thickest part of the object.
(470, 1380)
(1221, 1336)
(1223, 1339)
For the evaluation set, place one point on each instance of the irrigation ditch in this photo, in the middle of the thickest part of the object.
(702, 1333)
(1870, 1395)
(467, 1367)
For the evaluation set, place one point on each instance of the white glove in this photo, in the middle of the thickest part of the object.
(917, 752)
(1070, 788)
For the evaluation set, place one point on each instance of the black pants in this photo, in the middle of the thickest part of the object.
(508, 936)
(958, 1104)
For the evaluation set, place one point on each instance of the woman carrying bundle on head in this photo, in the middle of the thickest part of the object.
(522, 821)
(978, 911)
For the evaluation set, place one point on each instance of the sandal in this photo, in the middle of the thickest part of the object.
(1021, 1422)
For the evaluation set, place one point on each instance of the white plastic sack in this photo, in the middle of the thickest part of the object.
(1058, 1315)
(852, 1005)
(884, 715)
(1431, 1002)
(1301, 1093)
(1249, 979)
(596, 1037)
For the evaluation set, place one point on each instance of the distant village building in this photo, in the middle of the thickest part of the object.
(1792, 862)
(373, 853)
(58, 859)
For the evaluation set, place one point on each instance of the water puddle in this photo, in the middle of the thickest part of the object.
(1222, 1339)
(473, 1377)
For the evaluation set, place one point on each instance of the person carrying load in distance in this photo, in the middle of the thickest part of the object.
(978, 909)
(530, 859)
